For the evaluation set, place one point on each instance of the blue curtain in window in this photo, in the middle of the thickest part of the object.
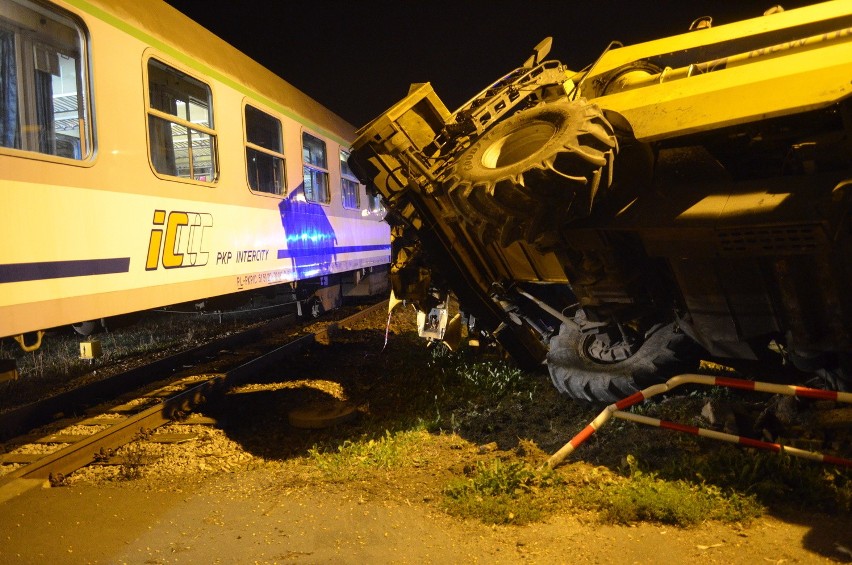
(8, 91)
(44, 112)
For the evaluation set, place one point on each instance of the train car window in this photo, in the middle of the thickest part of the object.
(264, 153)
(315, 171)
(374, 202)
(180, 124)
(348, 184)
(43, 81)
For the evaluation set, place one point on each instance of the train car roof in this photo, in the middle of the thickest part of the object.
(170, 31)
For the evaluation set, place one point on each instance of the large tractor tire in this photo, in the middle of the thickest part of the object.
(533, 172)
(580, 368)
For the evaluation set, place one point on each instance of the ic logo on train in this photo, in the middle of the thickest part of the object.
(180, 242)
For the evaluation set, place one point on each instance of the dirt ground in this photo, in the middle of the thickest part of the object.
(247, 491)
(253, 518)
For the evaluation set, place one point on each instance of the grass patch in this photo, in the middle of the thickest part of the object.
(489, 376)
(643, 496)
(777, 478)
(498, 492)
(485, 400)
(352, 458)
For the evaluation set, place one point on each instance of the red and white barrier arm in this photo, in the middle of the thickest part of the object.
(730, 438)
(617, 408)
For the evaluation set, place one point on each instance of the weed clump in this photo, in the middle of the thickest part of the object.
(779, 479)
(644, 496)
(502, 493)
(133, 467)
(354, 457)
(492, 377)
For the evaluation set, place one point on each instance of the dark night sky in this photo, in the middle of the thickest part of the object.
(358, 57)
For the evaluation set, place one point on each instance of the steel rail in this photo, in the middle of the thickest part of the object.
(18, 420)
(82, 453)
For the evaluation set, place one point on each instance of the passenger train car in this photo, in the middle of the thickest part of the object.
(145, 162)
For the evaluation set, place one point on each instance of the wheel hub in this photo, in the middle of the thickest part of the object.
(605, 348)
(518, 144)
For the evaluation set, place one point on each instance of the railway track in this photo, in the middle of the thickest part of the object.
(94, 436)
(19, 420)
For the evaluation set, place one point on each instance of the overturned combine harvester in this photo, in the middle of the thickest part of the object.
(689, 191)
